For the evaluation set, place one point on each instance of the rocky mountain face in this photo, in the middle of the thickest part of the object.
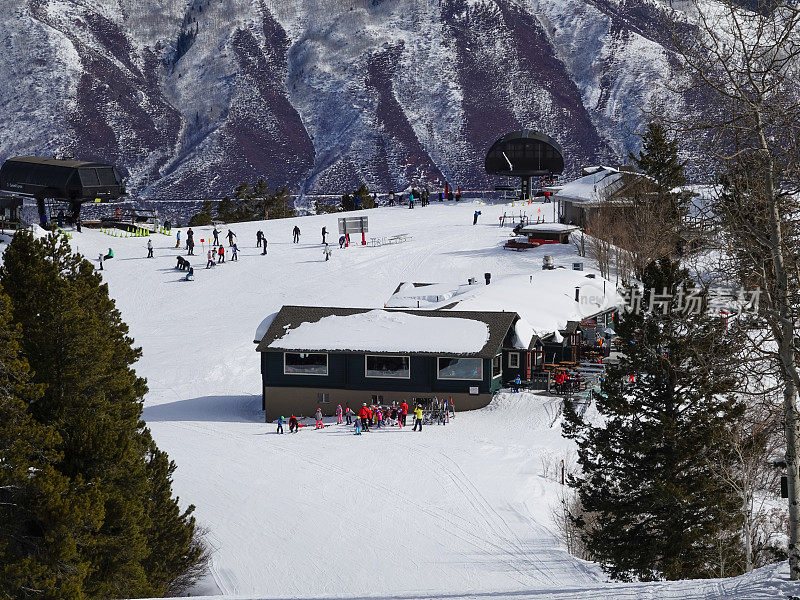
(191, 97)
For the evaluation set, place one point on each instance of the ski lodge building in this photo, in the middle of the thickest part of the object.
(599, 188)
(460, 341)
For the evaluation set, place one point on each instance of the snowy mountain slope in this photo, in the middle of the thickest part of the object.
(459, 511)
(191, 97)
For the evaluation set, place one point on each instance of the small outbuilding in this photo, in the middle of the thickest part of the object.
(547, 233)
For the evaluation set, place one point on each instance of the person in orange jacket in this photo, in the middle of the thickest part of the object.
(403, 412)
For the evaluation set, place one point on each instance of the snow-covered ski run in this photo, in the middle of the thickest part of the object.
(463, 511)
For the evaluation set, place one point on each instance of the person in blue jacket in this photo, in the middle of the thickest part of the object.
(280, 425)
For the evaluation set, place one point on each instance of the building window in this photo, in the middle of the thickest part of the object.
(538, 357)
(323, 398)
(300, 363)
(497, 366)
(397, 367)
(513, 360)
(461, 368)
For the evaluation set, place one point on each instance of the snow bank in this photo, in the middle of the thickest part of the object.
(386, 331)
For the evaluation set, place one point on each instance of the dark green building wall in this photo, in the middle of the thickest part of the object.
(346, 371)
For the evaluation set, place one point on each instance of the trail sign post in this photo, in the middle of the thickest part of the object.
(348, 225)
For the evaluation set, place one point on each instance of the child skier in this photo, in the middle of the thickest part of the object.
(210, 262)
(280, 425)
(293, 424)
(318, 417)
(338, 414)
(348, 413)
(235, 252)
(418, 417)
(221, 253)
(150, 249)
(358, 427)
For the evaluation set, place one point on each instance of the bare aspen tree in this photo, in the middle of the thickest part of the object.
(743, 64)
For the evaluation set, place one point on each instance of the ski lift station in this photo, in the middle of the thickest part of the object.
(523, 155)
(56, 183)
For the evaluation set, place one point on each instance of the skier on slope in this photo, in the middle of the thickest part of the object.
(318, 417)
(264, 251)
(338, 414)
(403, 412)
(210, 262)
(357, 427)
(215, 233)
(324, 233)
(178, 242)
(235, 255)
(280, 425)
(348, 413)
(259, 237)
(230, 235)
(293, 424)
(221, 253)
(296, 235)
(150, 249)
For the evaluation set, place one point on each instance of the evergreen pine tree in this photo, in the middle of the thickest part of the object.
(204, 216)
(79, 349)
(348, 202)
(43, 517)
(659, 160)
(279, 204)
(658, 509)
(364, 197)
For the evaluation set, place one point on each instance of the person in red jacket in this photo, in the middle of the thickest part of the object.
(363, 414)
(403, 412)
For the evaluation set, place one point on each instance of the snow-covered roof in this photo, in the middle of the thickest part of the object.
(592, 187)
(315, 329)
(545, 300)
(548, 228)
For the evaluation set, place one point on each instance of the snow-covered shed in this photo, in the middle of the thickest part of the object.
(547, 233)
(320, 357)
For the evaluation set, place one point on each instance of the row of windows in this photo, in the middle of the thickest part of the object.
(392, 367)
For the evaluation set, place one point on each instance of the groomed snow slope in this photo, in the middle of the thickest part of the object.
(460, 511)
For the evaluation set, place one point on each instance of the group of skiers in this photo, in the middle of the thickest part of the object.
(423, 196)
(377, 416)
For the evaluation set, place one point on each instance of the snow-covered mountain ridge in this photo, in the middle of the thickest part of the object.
(191, 97)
